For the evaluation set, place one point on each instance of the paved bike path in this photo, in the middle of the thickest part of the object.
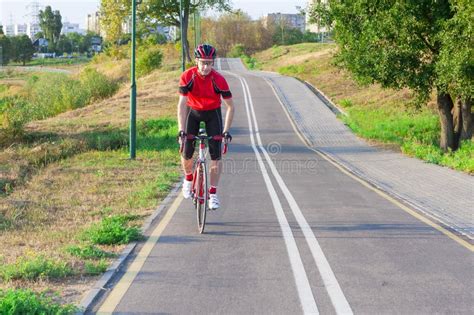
(384, 260)
(439, 192)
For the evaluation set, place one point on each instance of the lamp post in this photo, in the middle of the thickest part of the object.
(133, 87)
(183, 56)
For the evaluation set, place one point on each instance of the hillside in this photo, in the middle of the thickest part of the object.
(387, 118)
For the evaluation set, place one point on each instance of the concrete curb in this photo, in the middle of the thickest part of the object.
(100, 286)
(332, 106)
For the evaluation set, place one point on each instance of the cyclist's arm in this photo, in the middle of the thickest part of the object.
(229, 116)
(182, 112)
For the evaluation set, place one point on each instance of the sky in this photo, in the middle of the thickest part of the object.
(75, 11)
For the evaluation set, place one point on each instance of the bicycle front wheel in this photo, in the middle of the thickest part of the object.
(202, 196)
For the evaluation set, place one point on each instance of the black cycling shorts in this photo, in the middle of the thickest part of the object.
(213, 121)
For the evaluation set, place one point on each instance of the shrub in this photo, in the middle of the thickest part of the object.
(35, 267)
(22, 301)
(236, 51)
(15, 112)
(97, 84)
(96, 268)
(113, 230)
(88, 252)
(52, 94)
(148, 60)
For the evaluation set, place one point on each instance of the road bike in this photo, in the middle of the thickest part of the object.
(200, 186)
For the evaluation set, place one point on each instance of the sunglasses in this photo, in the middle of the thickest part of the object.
(206, 63)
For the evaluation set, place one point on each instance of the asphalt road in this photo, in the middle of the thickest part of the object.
(294, 235)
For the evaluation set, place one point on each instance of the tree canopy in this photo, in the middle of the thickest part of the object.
(424, 45)
(50, 23)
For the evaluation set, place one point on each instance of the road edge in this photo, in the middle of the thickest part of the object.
(100, 286)
(406, 205)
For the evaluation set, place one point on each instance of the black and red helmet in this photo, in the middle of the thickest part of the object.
(205, 51)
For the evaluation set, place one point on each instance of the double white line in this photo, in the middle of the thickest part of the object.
(307, 300)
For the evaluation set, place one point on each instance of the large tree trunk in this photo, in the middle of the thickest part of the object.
(467, 125)
(445, 105)
(458, 122)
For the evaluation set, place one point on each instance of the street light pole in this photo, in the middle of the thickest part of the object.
(183, 57)
(133, 88)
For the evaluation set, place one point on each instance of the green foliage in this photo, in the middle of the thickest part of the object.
(34, 268)
(148, 60)
(20, 301)
(455, 66)
(393, 126)
(96, 268)
(54, 93)
(88, 252)
(113, 230)
(462, 159)
(346, 103)
(6, 49)
(292, 70)
(237, 51)
(50, 23)
(97, 84)
(21, 49)
(15, 112)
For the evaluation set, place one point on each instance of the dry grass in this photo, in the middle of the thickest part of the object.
(332, 81)
(59, 201)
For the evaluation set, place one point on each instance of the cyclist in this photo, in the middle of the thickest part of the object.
(201, 89)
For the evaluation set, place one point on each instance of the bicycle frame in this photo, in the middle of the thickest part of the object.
(200, 194)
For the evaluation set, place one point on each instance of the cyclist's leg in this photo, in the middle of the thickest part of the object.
(214, 127)
(192, 127)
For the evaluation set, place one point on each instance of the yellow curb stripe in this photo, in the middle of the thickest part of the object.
(125, 282)
(415, 214)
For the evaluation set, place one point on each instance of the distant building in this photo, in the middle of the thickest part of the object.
(291, 20)
(315, 27)
(33, 29)
(9, 30)
(70, 28)
(21, 29)
(93, 23)
(30, 29)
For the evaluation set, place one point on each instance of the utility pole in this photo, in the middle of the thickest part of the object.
(133, 87)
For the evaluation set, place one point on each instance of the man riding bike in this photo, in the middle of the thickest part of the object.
(201, 89)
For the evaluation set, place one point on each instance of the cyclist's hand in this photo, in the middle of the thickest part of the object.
(227, 137)
(181, 136)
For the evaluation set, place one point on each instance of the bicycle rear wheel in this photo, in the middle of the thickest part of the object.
(202, 196)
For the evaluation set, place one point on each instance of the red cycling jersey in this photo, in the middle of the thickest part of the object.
(204, 93)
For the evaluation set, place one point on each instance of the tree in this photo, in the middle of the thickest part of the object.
(236, 32)
(22, 49)
(1, 30)
(424, 45)
(50, 23)
(5, 46)
(113, 13)
(166, 12)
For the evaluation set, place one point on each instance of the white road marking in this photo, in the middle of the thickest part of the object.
(302, 283)
(338, 299)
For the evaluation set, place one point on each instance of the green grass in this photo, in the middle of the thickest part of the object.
(88, 252)
(19, 302)
(34, 268)
(393, 126)
(112, 231)
(96, 268)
